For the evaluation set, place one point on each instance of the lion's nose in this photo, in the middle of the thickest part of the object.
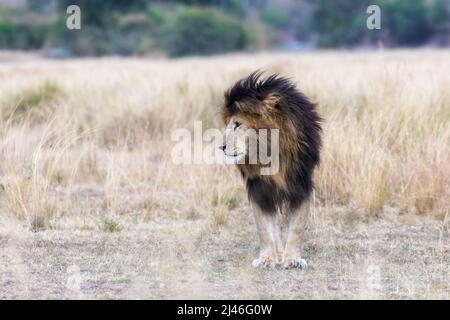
(223, 147)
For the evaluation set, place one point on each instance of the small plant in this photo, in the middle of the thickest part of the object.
(38, 223)
(192, 214)
(232, 202)
(111, 225)
(57, 177)
(217, 219)
(424, 204)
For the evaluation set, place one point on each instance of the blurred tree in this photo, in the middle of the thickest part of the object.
(276, 19)
(406, 21)
(439, 15)
(42, 6)
(339, 22)
(101, 13)
(235, 7)
(156, 15)
(22, 35)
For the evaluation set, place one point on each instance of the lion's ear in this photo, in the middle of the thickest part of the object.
(246, 107)
(271, 101)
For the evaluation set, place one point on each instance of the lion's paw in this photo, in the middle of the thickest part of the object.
(290, 263)
(265, 262)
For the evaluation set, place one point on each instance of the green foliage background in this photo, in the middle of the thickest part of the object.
(203, 27)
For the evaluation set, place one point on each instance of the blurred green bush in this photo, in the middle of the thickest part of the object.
(407, 21)
(202, 31)
(23, 35)
(276, 19)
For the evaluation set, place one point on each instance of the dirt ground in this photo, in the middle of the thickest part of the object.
(391, 258)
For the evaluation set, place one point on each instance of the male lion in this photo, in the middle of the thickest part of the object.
(274, 103)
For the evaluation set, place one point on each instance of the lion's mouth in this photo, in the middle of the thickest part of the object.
(234, 158)
(234, 155)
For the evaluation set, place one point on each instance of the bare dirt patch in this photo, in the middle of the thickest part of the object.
(385, 258)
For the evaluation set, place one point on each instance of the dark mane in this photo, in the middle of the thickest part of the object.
(300, 137)
(254, 87)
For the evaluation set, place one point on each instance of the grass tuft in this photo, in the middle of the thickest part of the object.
(32, 101)
(111, 225)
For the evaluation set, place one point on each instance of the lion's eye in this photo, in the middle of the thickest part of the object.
(236, 125)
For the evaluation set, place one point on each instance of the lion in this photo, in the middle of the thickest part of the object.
(255, 103)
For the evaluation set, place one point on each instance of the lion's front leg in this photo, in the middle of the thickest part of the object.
(269, 235)
(291, 256)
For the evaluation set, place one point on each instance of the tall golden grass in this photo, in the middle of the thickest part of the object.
(104, 125)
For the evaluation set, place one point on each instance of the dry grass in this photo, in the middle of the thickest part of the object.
(107, 124)
(85, 145)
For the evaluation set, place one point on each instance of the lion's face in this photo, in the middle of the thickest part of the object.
(235, 140)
